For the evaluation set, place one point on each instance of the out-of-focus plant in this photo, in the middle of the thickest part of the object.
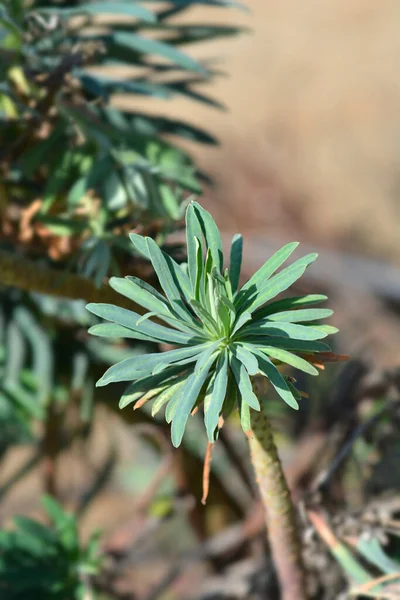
(370, 571)
(77, 171)
(47, 562)
(225, 335)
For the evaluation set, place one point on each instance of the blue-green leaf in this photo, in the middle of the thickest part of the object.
(111, 330)
(128, 318)
(193, 231)
(143, 365)
(129, 9)
(308, 347)
(168, 393)
(287, 304)
(218, 393)
(275, 285)
(277, 329)
(235, 264)
(262, 275)
(211, 235)
(146, 45)
(244, 354)
(190, 393)
(244, 383)
(205, 356)
(301, 316)
(270, 371)
(166, 280)
(289, 358)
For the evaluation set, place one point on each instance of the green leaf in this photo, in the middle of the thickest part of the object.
(235, 264)
(144, 384)
(128, 318)
(211, 235)
(140, 244)
(260, 277)
(301, 316)
(244, 411)
(218, 393)
(143, 365)
(199, 281)
(290, 344)
(290, 359)
(141, 293)
(145, 45)
(244, 354)
(193, 232)
(129, 9)
(111, 330)
(190, 393)
(277, 284)
(325, 329)
(371, 549)
(167, 395)
(244, 383)
(287, 304)
(240, 321)
(204, 357)
(209, 322)
(277, 329)
(268, 369)
(166, 279)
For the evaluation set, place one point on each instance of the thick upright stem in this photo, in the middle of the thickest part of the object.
(280, 512)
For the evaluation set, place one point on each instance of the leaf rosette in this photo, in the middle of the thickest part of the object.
(223, 335)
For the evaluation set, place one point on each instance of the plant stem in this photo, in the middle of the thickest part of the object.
(280, 512)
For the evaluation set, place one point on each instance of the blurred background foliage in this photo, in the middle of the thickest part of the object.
(110, 116)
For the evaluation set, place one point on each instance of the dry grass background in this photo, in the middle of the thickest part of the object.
(311, 141)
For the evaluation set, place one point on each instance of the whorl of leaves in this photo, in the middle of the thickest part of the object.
(224, 335)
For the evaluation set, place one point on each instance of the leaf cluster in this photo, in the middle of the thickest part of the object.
(86, 169)
(224, 335)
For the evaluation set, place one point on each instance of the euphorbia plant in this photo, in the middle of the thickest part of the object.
(224, 336)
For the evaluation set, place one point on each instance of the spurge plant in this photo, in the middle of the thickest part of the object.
(223, 336)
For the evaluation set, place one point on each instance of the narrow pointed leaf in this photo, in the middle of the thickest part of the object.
(143, 365)
(290, 344)
(235, 261)
(271, 372)
(287, 304)
(144, 384)
(277, 329)
(203, 358)
(128, 319)
(244, 383)
(301, 316)
(138, 43)
(261, 276)
(211, 235)
(278, 283)
(128, 9)
(193, 231)
(190, 393)
(289, 358)
(112, 330)
(167, 395)
(217, 396)
(240, 321)
(244, 354)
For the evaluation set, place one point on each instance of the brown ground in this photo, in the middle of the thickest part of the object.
(312, 136)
